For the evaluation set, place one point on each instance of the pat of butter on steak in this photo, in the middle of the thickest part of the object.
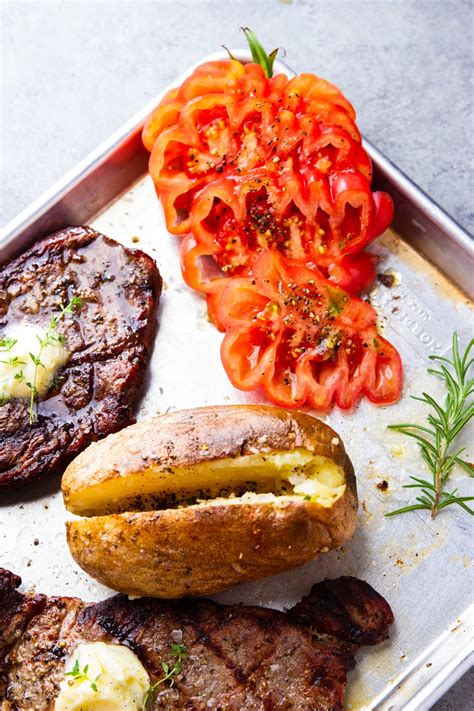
(250, 658)
(109, 340)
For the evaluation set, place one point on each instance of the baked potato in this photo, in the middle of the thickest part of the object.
(192, 502)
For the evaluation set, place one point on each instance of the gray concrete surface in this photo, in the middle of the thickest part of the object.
(72, 72)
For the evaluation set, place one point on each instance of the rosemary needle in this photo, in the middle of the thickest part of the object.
(436, 438)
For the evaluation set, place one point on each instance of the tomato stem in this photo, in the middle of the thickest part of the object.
(259, 55)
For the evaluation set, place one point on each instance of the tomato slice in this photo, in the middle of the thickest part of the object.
(232, 234)
(247, 353)
(229, 121)
(166, 114)
(354, 273)
(303, 339)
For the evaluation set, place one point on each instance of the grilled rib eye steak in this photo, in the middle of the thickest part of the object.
(248, 658)
(110, 339)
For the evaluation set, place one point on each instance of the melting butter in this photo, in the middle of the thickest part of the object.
(17, 368)
(114, 679)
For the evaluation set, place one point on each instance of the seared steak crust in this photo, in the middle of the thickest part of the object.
(110, 340)
(16, 610)
(348, 609)
(248, 658)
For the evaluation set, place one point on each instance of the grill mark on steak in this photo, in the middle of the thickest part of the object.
(110, 341)
(249, 658)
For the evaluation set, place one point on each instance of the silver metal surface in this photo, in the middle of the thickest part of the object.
(431, 231)
(421, 566)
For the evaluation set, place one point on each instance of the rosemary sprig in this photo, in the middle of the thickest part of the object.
(50, 338)
(444, 424)
(83, 675)
(180, 653)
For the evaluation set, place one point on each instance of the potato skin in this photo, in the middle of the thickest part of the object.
(202, 434)
(201, 550)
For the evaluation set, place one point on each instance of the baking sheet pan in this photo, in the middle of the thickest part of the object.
(422, 567)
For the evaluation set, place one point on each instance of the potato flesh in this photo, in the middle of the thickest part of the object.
(282, 473)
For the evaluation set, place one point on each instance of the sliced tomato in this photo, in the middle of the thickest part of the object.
(303, 339)
(211, 77)
(313, 87)
(229, 121)
(247, 353)
(354, 273)
(269, 184)
(382, 215)
(234, 220)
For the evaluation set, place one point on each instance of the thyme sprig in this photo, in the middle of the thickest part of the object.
(436, 439)
(50, 338)
(83, 675)
(6, 345)
(170, 671)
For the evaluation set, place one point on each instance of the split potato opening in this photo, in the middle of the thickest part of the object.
(195, 501)
(284, 473)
